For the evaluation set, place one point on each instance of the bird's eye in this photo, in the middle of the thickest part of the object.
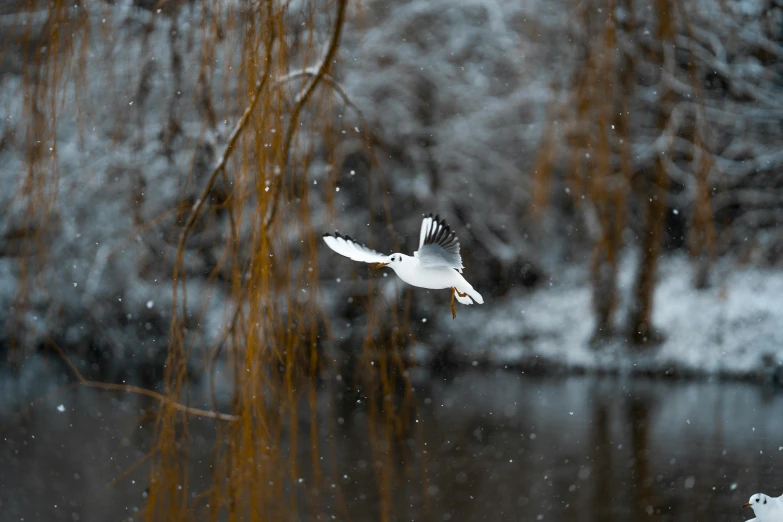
(757, 500)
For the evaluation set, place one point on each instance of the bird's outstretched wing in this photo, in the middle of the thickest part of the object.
(438, 245)
(345, 246)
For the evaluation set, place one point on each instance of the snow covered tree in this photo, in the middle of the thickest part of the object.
(666, 125)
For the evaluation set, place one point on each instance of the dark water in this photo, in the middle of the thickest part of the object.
(499, 446)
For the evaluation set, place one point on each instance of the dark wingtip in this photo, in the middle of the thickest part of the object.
(326, 234)
(345, 237)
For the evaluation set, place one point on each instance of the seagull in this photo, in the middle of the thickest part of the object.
(766, 508)
(437, 263)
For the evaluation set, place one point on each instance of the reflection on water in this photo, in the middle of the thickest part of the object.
(499, 446)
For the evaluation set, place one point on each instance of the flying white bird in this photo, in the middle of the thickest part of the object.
(437, 263)
(766, 508)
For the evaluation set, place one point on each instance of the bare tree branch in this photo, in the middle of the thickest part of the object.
(301, 99)
(108, 386)
(311, 72)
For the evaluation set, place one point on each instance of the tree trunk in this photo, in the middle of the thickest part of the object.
(654, 198)
(606, 185)
(642, 330)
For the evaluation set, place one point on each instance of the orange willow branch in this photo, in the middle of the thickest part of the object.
(221, 165)
(303, 97)
(139, 391)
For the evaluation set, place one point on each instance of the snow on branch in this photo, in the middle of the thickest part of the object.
(311, 72)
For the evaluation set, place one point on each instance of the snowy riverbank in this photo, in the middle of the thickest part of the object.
(731, 329)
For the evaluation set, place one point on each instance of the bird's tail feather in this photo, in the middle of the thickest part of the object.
(464, 300)
(472, 293)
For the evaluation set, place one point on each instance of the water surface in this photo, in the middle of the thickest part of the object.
(497, 445)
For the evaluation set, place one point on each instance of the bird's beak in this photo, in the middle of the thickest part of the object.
(747, 504)
(381, 265)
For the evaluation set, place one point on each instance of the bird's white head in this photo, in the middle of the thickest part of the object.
(760, 504)
(394, 261)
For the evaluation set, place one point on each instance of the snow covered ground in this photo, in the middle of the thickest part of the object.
(732, 329)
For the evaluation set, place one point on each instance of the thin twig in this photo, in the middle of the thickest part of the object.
(327, 79)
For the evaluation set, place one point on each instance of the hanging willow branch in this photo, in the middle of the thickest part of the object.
(220, 168)
(315, 76)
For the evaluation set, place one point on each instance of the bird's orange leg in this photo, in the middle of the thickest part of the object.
(453, 310)
(460, 293)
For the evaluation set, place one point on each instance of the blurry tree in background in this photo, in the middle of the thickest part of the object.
(666, 126)
(670, 127)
